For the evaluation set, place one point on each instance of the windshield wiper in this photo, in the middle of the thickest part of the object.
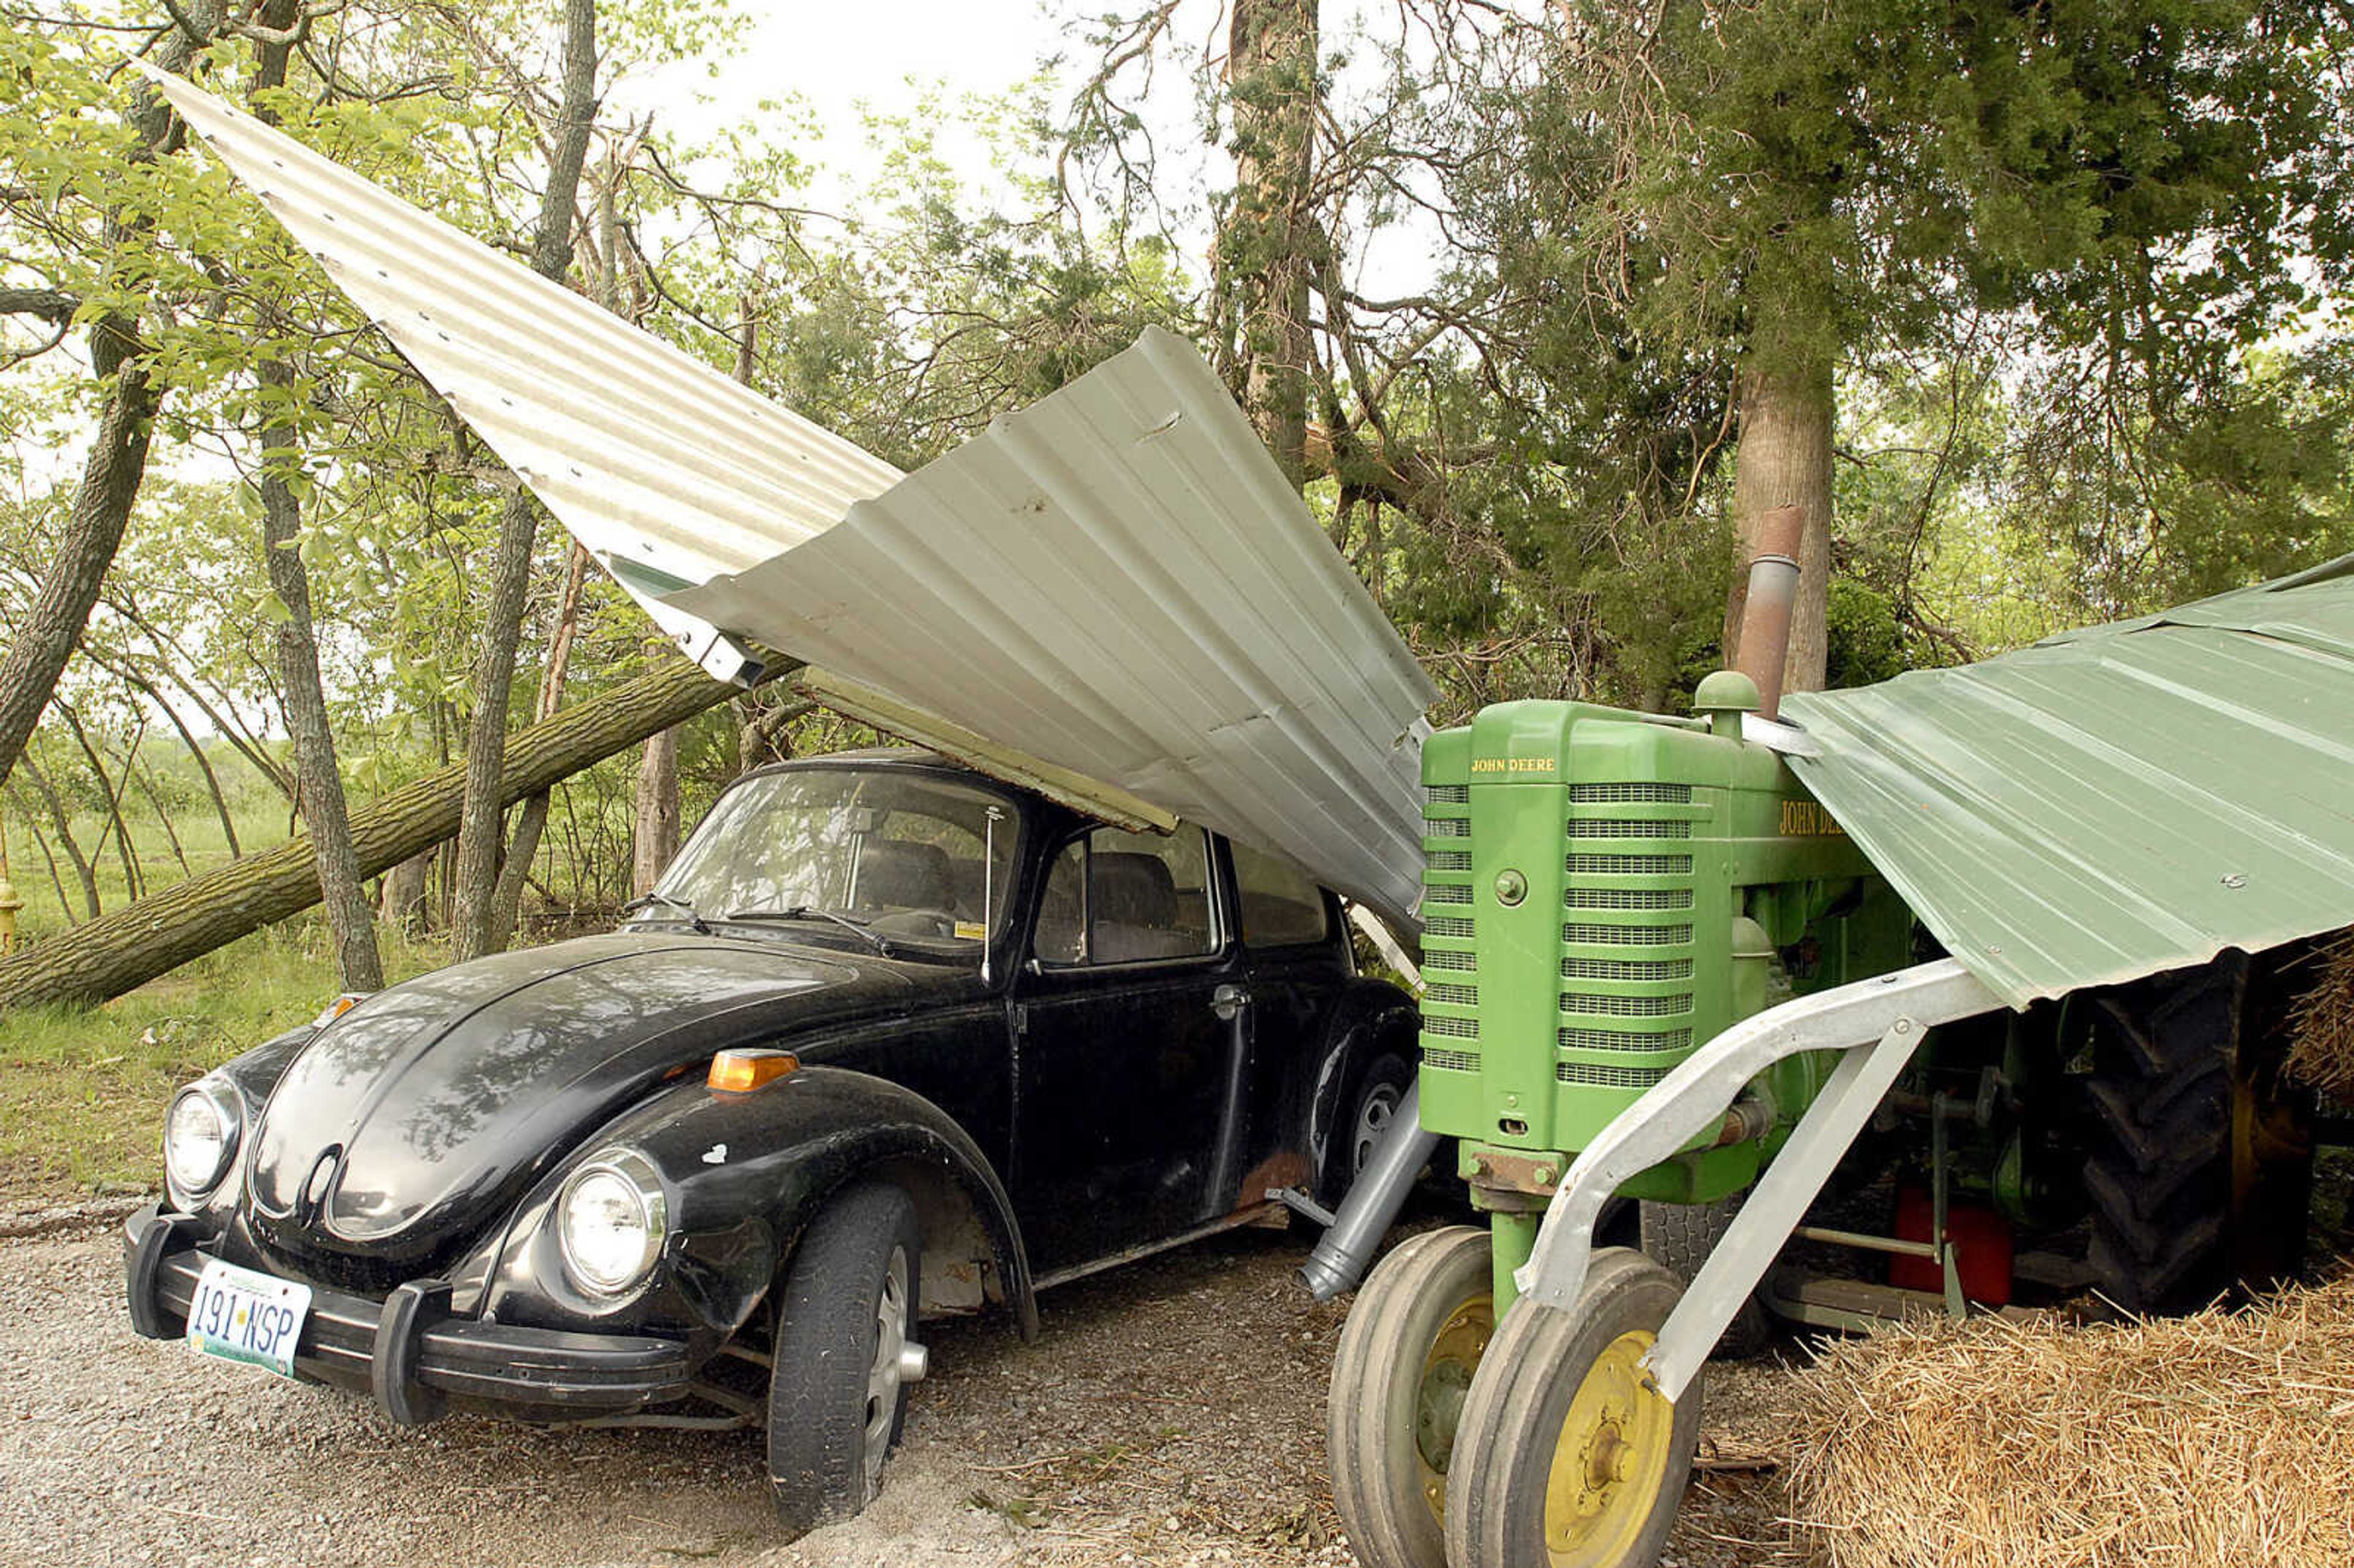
(648, 900)
(881, 944)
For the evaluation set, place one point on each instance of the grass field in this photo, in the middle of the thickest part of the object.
(82, 1090)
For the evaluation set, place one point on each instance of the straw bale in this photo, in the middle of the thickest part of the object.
(2222, 1440)
(2321, 1022)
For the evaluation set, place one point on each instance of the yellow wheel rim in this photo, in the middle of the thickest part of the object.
(1446, 1372)
(1610, 1460)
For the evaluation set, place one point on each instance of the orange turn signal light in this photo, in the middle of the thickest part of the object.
(741, 1072)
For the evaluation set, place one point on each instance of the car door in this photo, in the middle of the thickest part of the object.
(1121, 1053)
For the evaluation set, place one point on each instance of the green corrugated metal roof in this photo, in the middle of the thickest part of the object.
(2116, 801)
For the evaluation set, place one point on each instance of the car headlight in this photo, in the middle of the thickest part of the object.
(200, 1136)
(610, 1218)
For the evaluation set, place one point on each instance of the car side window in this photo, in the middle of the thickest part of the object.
(1115, 898)
(1280, 907)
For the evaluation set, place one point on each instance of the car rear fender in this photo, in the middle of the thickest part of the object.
(1373, 1019)
(769, 1160)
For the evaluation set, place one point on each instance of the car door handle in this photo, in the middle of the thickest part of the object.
(1228, 1001)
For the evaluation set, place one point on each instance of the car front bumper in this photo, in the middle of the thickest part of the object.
(409, 1352)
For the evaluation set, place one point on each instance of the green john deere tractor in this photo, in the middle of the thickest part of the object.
(1659, 974)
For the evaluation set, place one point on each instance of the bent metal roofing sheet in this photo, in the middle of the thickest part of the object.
(2116, 801)
(1116, 581)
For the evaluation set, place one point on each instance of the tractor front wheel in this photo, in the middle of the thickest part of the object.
(1404, 1367)
(1568, 1456)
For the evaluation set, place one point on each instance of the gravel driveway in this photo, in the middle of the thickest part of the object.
(1171, 1413)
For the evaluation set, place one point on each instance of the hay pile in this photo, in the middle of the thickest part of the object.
(2224, 1440)
(2321, 1023)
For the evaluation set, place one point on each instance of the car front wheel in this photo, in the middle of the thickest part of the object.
(843, 1357)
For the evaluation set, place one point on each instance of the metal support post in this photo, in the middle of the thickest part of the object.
(1889, 1013)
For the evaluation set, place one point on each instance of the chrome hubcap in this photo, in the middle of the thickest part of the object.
(889, 1368)
(1373, 1117)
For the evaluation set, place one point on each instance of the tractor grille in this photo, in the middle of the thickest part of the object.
(1626, 828)
(1574, 932)
(1629, 866)
(1626, 1006)
(1627, 965)
(1625, 794)
(1620, 1040)
(1628, 897)
(1447, 1005)
(1608, 1078)
(1627, 969)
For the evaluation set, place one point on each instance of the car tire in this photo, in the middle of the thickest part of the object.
(1373, 1102)
(845, 1305)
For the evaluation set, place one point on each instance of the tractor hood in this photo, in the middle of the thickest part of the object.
(422, 1115)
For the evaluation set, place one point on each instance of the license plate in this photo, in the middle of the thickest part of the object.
(240, 1315)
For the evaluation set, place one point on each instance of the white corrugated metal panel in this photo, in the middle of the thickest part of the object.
(665, 468)
(1117, 580)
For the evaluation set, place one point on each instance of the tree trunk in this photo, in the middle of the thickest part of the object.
(61, 821)
(133, 884)
(187, 738)
(1266, 238)
(1784, 460)
(109, 956)
(325, 813)
(402, 907)
(532, 820)
(481, 834)
(654, 840)
(37, 655)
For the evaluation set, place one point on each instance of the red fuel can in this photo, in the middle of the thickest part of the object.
(1982, 1248)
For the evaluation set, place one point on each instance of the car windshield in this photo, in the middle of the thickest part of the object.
(885, 857)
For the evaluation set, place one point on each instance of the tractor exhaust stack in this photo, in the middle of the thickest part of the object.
(1763, 654)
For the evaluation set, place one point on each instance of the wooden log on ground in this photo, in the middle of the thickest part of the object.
(106, 957)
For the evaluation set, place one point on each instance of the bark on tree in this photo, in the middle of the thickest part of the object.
(1784, 460)
(1267, 237)
(109, 479)
(654, 838)
(481, 834)
(325, 813)
(532, 818)
(109, 956)
(402, 905)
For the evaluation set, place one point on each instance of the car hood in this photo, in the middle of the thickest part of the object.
(407, 1126)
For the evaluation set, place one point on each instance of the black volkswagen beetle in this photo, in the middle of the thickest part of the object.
(889, 1042)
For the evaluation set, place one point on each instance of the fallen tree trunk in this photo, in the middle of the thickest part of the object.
(106, 957)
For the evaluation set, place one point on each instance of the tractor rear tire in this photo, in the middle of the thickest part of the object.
(1400, 1375)
(2199, 1163)
(1679, 1238)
